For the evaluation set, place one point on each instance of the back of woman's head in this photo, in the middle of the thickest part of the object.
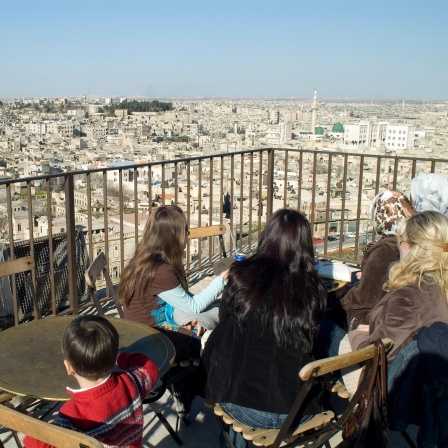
(163, 241)
(429, 191)
(165, 234)
(287, 239)
(279, 283)
(425, 237)
(388, 209)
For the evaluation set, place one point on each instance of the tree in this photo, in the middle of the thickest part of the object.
(126, 194)
(139, 106)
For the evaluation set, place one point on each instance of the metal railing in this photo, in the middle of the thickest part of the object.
(110, 205)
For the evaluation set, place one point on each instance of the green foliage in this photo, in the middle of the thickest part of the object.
(49, 108)
(178, 139)
(139, 106)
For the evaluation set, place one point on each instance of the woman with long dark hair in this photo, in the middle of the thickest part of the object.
(269, 319)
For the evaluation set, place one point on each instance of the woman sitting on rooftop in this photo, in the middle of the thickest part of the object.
(268, 320)
(417, 286)
(153, 284)
(429, 191)
(388, 209)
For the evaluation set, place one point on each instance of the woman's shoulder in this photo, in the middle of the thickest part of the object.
(415, 291)
(383, 252)
(387, 243)
(419, 286)
(165, 268)
(166, 274)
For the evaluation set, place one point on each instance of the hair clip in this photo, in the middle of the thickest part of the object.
(445, 249)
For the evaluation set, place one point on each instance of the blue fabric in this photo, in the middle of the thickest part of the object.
(400, 363)
(169, 314)
(159, 313)
(255, 419)
(419, 394)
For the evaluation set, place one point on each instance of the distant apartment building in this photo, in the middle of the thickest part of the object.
(365, 134)
(121, 113)
(400, 137)
(274, 116)
(377, 135)
(126, 175)
(21, 225)
(190, 129)
(279, 134)
(80, 198)
(61, 129)
(36, 128)
(92, 109)
(94, 131)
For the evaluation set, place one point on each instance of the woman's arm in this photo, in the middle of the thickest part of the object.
(397, 321)
(375, 266)
(182, 300)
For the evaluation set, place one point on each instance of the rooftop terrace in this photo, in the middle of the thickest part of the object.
(64, 220)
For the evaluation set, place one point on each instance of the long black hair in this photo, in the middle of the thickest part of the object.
(280, 282)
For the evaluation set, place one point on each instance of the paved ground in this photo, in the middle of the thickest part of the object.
(203, 430)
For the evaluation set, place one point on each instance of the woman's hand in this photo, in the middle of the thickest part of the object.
(194, 324)
(224, 275)
(358, 275)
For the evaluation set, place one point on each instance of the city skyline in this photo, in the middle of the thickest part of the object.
(246, 49)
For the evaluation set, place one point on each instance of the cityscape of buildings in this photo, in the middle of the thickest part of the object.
(34, 141)
(43, 136)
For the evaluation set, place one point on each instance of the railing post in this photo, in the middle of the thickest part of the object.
(71, 243)
(270, 184)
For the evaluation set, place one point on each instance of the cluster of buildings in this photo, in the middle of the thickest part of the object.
(50, 136)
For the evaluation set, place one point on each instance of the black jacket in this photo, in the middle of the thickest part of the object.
(249, 368)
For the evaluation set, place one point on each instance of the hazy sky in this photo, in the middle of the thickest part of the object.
(235, 48)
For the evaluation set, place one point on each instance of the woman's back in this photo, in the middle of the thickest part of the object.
(249, 368)
(269, 317)
(145, 304)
